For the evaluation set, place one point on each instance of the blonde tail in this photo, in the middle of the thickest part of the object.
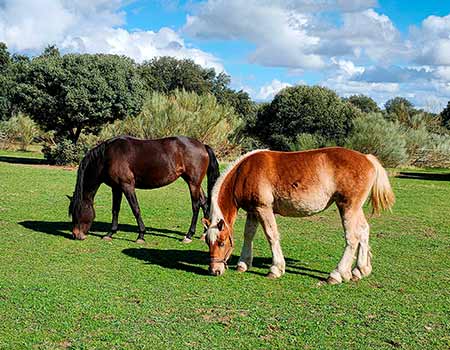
(382, 196)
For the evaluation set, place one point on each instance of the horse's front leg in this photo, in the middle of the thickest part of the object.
(269, 224)
(130, 194)
(246, 258)
(116, 201)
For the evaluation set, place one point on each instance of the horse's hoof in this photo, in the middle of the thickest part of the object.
(107, 238)
(356, 275)
(331, 280)
(271, 276)
(240, 268)
(140, 241)
(355, 278)
(186, 240)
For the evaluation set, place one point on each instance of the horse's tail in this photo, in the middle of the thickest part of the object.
(93, 156)
(212, 174)
(382, 196)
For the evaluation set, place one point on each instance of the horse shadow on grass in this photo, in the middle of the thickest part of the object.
(22, 160)
(424, 176)
(188, 260)
(98, 229)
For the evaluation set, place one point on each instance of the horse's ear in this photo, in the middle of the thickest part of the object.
(70, 197)
(206, 223)
(220, 224)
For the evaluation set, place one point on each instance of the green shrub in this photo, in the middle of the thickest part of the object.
(182, 113)
(380, 137)
(427, 149)
(21, 129)
(307, 141)
(303, 109)
(64, 152)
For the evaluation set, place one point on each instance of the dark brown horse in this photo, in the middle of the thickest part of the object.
(125, 163)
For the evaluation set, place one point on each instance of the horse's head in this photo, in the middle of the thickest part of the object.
(83, 214)
(219, 238)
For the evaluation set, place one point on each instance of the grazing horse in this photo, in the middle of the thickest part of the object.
(125, 163)
(265, 183)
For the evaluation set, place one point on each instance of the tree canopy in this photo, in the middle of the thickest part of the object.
(167, 74)
(79, 91)
(303, 110)
(365, 103)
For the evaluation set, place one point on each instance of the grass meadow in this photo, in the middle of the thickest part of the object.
(57, 293)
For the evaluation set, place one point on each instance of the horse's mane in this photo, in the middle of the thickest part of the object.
(94, 155)
(221, 179)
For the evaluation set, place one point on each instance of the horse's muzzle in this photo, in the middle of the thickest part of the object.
(217, 269)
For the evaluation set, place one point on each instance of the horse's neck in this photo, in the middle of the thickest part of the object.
(227, 202)
(90, 191)
(92, 182)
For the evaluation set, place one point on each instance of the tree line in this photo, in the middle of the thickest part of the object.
(80, 97)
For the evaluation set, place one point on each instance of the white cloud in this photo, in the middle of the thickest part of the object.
(281, 36)
(140, 45)
(268, 91)
(91, 26)
(431, 41)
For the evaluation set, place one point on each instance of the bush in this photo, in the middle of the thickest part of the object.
(426, 148)
(182, 113)
(65, 152)
(21, 129)
(307, 141)
(395, 144)
(303, 109)
(380, 137)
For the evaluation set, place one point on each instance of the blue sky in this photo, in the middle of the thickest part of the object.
(378, 48)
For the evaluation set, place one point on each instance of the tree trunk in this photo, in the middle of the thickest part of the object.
(74, 135)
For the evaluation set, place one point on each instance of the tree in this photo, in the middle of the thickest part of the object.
(72, 93)
(401, 109)
(167, 74)
(364, 103)
(445, 116)
(303, 110)
(6, 83)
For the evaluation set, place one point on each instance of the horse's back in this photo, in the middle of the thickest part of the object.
(151, 163)
(302, 183)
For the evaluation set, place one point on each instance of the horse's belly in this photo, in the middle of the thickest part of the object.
(302, 206)
(150, 183)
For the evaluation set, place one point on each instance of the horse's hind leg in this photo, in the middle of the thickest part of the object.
(267, 219)
(116, 201)
(246, 258)
(363, 265)
(354, 224)
(204, 204)
(130, 194)
(195, 191)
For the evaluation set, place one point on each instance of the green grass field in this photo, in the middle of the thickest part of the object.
(57, 293)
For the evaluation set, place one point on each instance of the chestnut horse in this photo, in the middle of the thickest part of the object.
(265, 183)
(125, 163)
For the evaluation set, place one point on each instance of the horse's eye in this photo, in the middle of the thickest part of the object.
(221, 244)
